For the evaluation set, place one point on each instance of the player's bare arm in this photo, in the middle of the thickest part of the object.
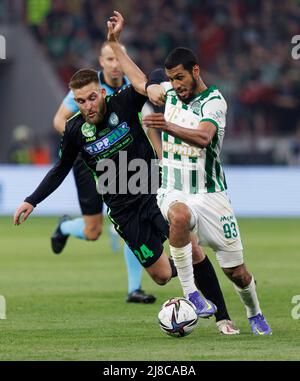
(199, 137)
(156, 94)
(61, 117)
(135, 75)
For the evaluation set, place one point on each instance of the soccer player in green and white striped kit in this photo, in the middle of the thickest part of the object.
(193, 194)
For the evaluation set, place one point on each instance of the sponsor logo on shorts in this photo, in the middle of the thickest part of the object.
(227, 218)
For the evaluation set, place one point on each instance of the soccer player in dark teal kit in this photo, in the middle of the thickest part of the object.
(89, 226)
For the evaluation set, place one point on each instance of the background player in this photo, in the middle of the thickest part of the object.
(90, 225)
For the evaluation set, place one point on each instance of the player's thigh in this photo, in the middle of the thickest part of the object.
(144, 230)
(217, 227)
(145, 242)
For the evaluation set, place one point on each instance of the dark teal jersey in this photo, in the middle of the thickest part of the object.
(118, 135)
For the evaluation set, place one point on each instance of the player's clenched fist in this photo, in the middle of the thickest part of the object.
(22, 213)
(156, 94)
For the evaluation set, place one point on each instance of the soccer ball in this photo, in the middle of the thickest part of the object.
(177, 317)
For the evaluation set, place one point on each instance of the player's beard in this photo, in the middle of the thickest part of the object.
(190, 92)
(98, 116)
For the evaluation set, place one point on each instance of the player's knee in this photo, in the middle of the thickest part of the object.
(179, 216)
(161, 280)
(238, 275)
(162, 277)
(92, 233)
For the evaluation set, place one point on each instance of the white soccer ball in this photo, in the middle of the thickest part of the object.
(177, 317)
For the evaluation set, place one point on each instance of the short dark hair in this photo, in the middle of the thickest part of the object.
(82, 78)
(181, 56)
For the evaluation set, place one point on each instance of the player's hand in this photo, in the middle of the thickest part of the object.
(22, 213)
(156, 120)
(156, 94)
(115, 26)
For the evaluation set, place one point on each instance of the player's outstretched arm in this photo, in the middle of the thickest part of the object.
(22, 213)
(51, 181)
(132, 71)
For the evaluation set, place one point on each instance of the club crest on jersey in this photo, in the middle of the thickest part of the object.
(108, 140)
(88, 130)
(196, 107)
(113, 119)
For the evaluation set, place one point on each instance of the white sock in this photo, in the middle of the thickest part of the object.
(249, 298)
(182, 257)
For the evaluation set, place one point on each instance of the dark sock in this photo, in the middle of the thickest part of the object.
(207, 282)
(173, 267)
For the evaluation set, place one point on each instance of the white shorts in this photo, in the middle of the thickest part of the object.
(215, 224)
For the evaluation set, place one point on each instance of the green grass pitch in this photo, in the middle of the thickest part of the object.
(72, 306)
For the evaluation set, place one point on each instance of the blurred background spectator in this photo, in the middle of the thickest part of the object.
(244, 48)
(19, 151)
(28, 148)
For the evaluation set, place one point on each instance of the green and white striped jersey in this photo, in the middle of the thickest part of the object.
(185, 167)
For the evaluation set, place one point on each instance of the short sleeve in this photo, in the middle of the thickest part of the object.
(214, 111)
(167, 86)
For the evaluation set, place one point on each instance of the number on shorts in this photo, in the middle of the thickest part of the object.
(230, 230)
(144, 253)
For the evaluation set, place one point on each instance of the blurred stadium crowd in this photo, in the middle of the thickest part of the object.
(244, 48)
